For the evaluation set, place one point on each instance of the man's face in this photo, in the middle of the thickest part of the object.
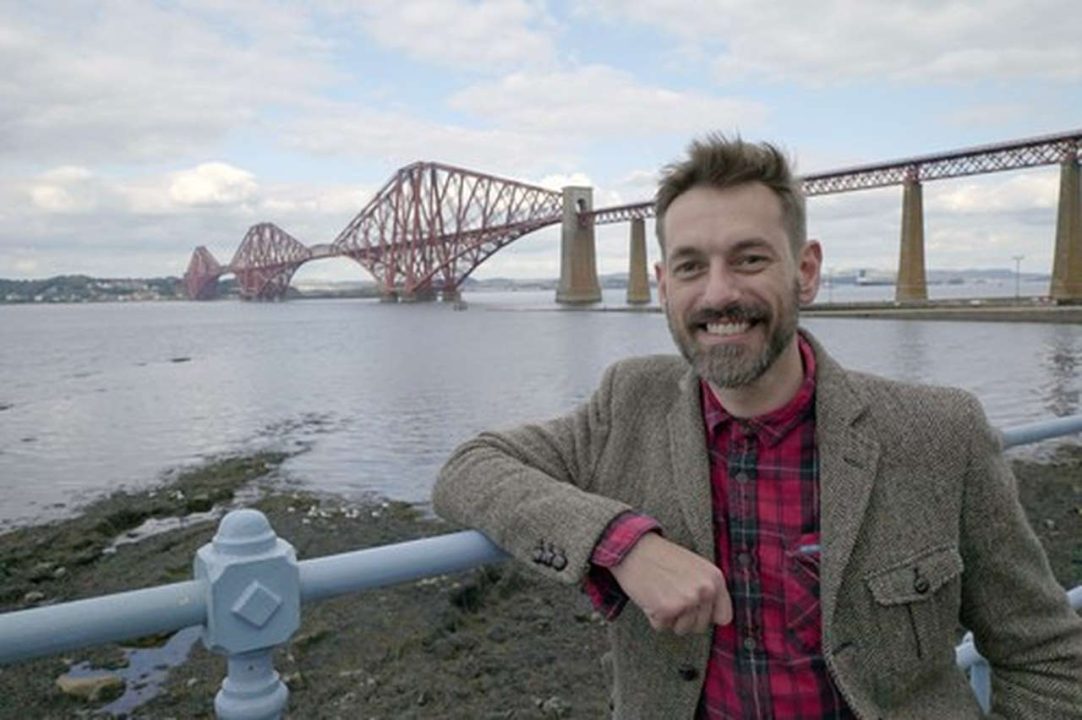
(729, 282)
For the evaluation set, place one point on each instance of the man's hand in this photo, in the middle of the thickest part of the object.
(677, 589)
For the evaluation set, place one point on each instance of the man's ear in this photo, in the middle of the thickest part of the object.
(809, 265)
(662, 291)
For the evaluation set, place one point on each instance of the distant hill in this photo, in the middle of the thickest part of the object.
(81, 288)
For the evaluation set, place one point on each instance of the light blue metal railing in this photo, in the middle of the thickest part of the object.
(249, 588)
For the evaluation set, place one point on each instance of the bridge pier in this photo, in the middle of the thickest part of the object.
(1066, 286)
(450, 295)
(638, 283)
(911, 284)
(578, 261)
(388, 296)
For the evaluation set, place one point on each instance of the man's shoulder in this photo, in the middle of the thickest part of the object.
(879, 388)
(887, 397)
(661, 377)
(912, 407)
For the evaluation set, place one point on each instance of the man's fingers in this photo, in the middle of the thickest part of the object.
(686, 623)
(703, 615)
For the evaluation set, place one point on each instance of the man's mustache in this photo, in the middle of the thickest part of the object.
(733, 312)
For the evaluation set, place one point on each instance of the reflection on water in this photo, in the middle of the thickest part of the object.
(381, 394)
(1060, 355)
(912, 360)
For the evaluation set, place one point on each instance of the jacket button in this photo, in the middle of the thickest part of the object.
(539, 556)
(687, 672)
(920, 583)
(559, 562)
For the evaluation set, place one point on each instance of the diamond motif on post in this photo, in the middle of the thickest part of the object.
(257, 604)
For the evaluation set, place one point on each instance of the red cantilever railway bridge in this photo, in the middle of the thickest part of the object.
(432, 225)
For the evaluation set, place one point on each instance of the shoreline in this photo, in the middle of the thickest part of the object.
(990, 309)
(495, 642)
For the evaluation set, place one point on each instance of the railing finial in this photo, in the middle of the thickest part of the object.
(253, 604)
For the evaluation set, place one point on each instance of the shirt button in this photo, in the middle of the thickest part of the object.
(744, 559)
(750, 644)
(741, 477)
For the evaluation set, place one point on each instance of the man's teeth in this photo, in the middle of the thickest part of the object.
(734, 328)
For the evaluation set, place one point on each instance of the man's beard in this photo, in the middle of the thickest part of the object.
(733, 366)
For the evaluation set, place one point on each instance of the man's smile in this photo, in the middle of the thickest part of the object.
(724, 330)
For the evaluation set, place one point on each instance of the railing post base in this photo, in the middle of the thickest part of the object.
(251, 689)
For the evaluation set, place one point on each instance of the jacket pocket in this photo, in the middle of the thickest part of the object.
(917, 608)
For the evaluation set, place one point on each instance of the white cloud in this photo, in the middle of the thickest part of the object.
(133, 81)
(25, 266)
(595, 100)
(560, 181)
(1034, 190)
(396, 139)
(68, 189)
(214, 183)
(482, 35)
(836, 40)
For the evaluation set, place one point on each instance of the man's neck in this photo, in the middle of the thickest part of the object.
(772, 390)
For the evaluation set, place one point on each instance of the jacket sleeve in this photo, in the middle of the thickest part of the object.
(532, 489)
(1020, 618)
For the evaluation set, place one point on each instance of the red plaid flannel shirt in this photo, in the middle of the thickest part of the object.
(764, 473)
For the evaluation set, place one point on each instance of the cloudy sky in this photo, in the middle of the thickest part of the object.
(130, 132)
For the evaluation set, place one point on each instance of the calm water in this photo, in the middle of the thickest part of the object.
(380, 394)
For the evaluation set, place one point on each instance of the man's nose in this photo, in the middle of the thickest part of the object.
(722, 286)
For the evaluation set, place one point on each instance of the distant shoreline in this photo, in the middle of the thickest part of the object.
(996, 309)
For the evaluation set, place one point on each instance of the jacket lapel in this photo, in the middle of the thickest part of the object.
(848, 459)
(691, 465)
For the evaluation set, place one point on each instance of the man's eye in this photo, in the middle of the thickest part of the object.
(688, 267)
(752, 261)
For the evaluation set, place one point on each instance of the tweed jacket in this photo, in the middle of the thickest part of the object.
(921, 532)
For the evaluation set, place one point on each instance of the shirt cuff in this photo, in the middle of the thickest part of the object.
(620, 536)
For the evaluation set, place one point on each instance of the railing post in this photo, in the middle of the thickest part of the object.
(253, 604)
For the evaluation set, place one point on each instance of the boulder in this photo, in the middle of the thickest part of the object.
(100, 687)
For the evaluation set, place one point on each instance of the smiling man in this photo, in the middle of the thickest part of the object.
(796, 540)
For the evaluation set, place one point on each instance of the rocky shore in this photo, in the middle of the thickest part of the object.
(491, 643)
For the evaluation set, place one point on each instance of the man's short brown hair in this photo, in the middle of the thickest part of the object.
(720, 162)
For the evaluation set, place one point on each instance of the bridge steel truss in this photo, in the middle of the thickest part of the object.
(432, 224)
(266, 260)
(1034, 152)
(201, 278)
(424, 232)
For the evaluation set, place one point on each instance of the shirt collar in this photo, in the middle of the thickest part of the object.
(773, 426)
